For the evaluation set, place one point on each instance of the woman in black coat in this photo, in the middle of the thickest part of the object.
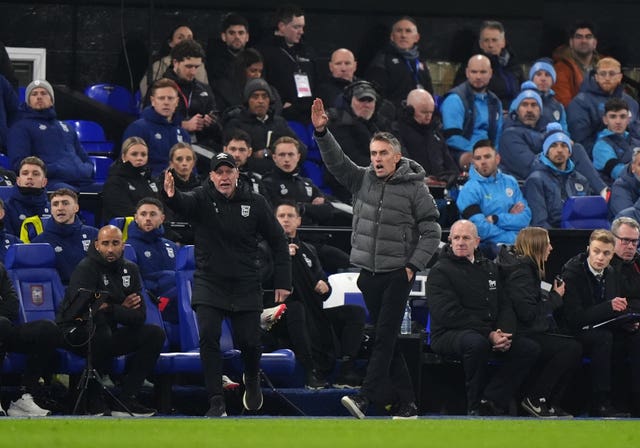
(129, 181)
(533, 301)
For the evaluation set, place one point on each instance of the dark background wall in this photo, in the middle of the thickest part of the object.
(84, 40)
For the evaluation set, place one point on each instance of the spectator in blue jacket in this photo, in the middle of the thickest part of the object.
(492, 200)
(29, 197)
(8, 110)
(584, 113)
(553, 180)
(614, 146)
(159, 125)
(523, 137)
(66, 233)
(470, 112)
(37, 132)
(6, 239)
(542, 76)
(625, 191)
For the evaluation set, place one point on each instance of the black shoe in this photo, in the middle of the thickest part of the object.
(559, 412)
(488, 408)
(252, 398)
(216, 407)
(348, 379)
(355, 404)
(606, 410)
(96, 405)
(537, 407)
(315, 380)
(405, 411)
(131, 406)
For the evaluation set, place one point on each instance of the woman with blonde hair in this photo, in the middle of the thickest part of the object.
(522, 269)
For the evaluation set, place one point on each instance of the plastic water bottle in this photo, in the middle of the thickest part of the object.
(405, 328)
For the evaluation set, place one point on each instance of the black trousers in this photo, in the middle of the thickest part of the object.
(348, 324)
(610, 349)
(475, 351)
(38, 340)
(143, 342)
(387, 379)
(559, 358)
(292, 332)
(246, 332)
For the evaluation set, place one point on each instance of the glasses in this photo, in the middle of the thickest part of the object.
(627, 241)
(610, 74)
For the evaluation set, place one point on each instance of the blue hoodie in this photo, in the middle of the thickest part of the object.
(39, 133)
(22, 203)
(155, 256)
(495, 195)
(585, 112)
(159, 134)
(70, 242)
(612, 152)
(547, 188)
(625, 196)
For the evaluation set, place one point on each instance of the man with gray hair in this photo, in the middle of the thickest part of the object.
(395, 234)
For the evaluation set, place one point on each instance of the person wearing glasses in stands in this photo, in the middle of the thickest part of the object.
(584, 113)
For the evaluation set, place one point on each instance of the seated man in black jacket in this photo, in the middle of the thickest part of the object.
(468, 311)
(118, 315)
(593, 295)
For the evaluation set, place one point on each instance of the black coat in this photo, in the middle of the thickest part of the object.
(227, 232)
(466, 296)
(581, 306)
(9, 304)
(521, 281)
(118, 279)
(124, 187)
(426, 145)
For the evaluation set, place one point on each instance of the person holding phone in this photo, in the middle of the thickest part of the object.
(522, 269)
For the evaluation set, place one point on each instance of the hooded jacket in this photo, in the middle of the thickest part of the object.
(39, 133)
(519, 147)
(547, 188)
(584, 113)
(70, 243)
(159, 134)
(117, 279)
(25, 202)
(395, 220)
(466, 296)
(569, 74)
(494, 196)
(533, 308)
(124, 187)
(612, 152)
(227, 231)
(625, 195)
(581, 306)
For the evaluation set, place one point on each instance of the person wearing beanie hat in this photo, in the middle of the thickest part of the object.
(40, 84)
(523, 139)
(38, 132)
(527, 94)
(553, 179)
(542, 75)
(229, 219)
(258, 119)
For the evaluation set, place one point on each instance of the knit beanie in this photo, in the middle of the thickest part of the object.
(543, 64)
(555, 134)
(254, 85)
(42, 84)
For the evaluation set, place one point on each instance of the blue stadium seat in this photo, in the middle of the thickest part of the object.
(92, 137)
(114, 96)
(4, 162)
(585, 212)
(22, 92)
(122, 223)
(102, 165)
(5, 192)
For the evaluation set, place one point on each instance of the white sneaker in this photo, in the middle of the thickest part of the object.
(26, 407)
(228, 383)
(270, 316)
(3, 413)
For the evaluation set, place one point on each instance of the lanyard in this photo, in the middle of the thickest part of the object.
(294, 60)
(414, 69)
(184, 98)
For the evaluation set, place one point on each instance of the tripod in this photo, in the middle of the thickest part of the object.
(90, 373)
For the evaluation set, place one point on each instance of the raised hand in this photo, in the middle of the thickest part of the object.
(169, 185)
(319, 118)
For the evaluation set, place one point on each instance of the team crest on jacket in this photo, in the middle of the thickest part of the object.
(105, 280)
(126, 281)
(556, 114)
(509, 192)
(307, 260)
(309, 190)
(579, 187)
(158, 136)
(43, 127)
(283, 189)
(244, 210)
(492, 285)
